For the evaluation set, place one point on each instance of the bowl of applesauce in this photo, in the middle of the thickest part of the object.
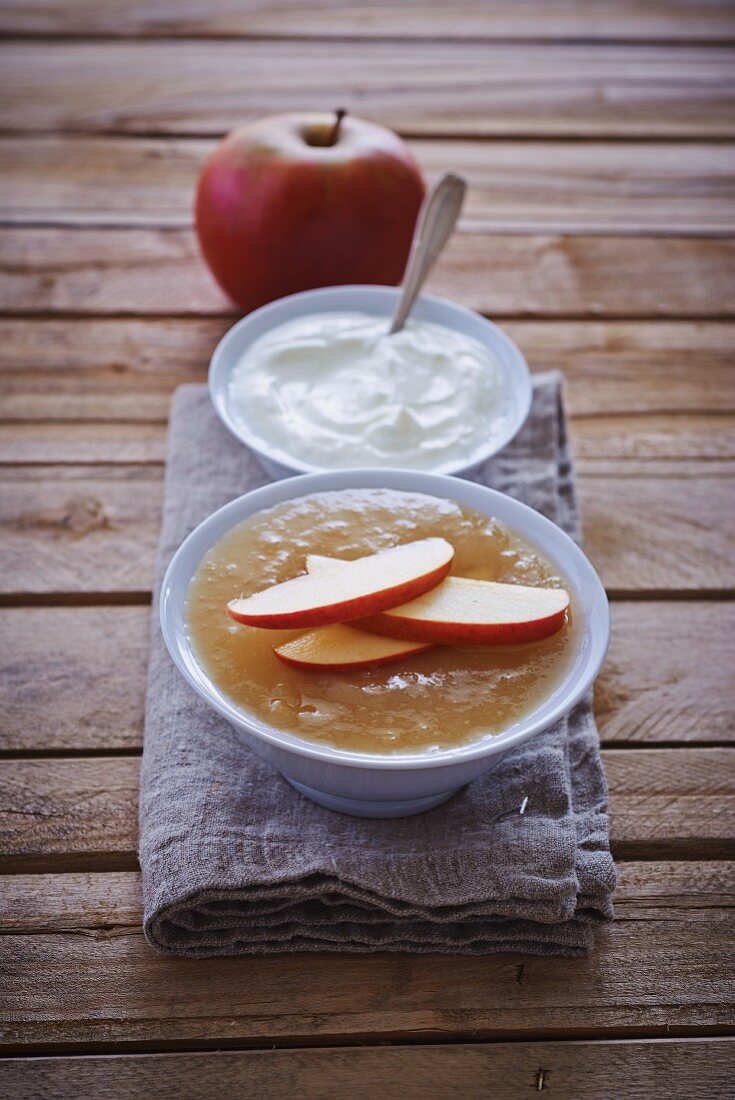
(315, 382)
(383, 637)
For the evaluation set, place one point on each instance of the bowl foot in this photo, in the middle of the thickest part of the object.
(358, 807)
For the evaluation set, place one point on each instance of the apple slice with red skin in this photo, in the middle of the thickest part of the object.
(344, 649)
(463, 611)
(359, 588)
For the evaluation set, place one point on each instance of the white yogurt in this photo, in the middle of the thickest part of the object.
(334, 390)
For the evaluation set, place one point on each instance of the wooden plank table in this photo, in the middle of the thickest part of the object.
(598, 142)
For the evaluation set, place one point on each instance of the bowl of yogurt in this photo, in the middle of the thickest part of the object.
(314, 383)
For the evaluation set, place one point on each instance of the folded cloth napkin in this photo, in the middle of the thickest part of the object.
(235, 862)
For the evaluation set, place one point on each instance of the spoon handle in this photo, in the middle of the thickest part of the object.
(437, 218)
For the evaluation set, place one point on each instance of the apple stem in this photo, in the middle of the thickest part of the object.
(334, 134)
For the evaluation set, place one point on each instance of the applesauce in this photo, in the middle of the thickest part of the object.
(428, 701)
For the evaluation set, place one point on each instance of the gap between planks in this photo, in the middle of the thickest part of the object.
(93, 753)
(363, 41)
(626, 21)
(91, 599)
(228, 319)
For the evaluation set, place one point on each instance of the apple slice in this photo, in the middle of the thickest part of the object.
(461, 611)
(344, 648)
(362, 587)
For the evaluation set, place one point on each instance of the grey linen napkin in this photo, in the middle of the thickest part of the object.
(235, 862)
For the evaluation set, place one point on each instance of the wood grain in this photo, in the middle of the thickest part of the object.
(433, 89)
(72, 530)
(652, 437)
(79, 975)
(529, 187)
(94, 530)
(105, 369)
(659, 799)
(644, 530)
(81, 814)
(115, 271)
(111, 903)
(699, 1067)
(676, 20)
(90, 441)
(59, 814)
(667, 677)
(667, 674)
(90, 695)
(147, 271)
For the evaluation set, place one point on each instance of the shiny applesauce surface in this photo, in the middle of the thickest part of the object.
(442, 697)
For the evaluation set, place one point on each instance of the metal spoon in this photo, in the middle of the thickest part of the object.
(437, 218)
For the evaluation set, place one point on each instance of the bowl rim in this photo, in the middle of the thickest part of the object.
(273, 493)
(219, 375)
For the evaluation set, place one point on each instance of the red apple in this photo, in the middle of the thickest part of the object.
(362, 587)
(343, 648)
(299, 201)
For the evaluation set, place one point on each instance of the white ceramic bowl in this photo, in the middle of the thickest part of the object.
(380, 301)
(373, 785)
